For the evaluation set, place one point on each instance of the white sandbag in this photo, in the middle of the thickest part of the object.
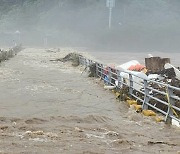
(109, 87)
(175, 123)
(138, 77)
(153, 76)
(123, 76)
(126, 65)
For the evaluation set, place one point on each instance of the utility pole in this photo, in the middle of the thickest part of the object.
(110, 4)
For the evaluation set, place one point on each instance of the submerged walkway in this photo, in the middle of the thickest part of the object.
(49, 107)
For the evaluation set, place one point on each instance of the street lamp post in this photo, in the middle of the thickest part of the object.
(110, 4)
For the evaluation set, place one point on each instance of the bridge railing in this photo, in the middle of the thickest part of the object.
(152, 94)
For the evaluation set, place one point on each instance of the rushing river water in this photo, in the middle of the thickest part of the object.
(50, 107)
(122, 57)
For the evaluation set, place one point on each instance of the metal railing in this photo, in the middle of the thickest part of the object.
(151, 94)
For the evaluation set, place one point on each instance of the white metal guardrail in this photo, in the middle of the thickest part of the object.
(151, 94)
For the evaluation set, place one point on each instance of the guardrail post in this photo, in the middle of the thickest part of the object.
(84, 61)
(130, 84)
(171, 102)
(146, 97)
(87, 62)
(102, 76)
(109, 75)
(80, 60)
(97, 73)
(97, 70)
(119, 79)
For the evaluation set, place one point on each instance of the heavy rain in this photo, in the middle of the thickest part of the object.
(90, 76)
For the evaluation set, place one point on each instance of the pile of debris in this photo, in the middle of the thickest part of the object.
(163, 71)
(71, 57)
(156, 69)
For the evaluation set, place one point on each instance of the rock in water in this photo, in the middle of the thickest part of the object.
(72, 57)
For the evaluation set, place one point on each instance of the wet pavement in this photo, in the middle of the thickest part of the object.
(50, 107)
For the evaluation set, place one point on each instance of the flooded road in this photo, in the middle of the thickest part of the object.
(49, 107)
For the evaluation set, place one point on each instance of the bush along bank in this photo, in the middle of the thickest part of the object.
(7, 54)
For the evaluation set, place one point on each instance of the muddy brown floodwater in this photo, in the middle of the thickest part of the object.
(49, 107)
